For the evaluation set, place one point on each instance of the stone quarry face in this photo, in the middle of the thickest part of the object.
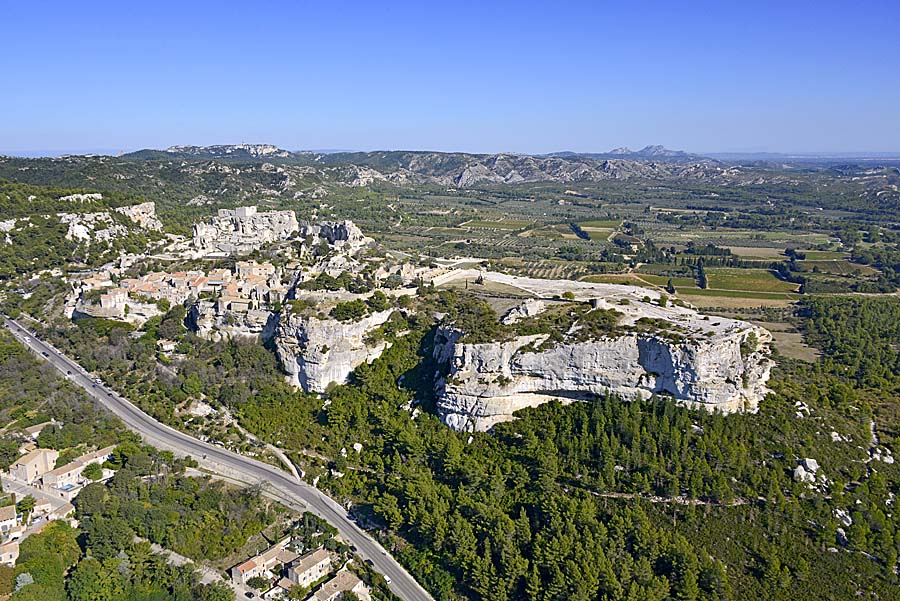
(715, 365)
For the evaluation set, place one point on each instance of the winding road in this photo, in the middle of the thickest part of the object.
(273, 482)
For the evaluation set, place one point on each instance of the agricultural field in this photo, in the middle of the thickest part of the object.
(824, 255)
(838, 267)
(757, 252)
(739, 294)
(752, 280)
(551, 232)
(545, 269)
(609, 224)
(618, 278)
(500, 224)
(756, 241)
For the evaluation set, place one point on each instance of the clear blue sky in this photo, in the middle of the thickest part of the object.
(480, 76)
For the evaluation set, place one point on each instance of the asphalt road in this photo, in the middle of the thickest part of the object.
(274, 482)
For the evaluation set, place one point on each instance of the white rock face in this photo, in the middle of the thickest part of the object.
(344, 236)
(81, 197)
(803, 475)
(101, 226)
(487, 382)
(316, 352)
(212, 323)
(92, 227)
(144, 215)
(243, 230)
(529, 308)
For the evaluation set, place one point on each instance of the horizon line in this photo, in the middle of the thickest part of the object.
(115, 152)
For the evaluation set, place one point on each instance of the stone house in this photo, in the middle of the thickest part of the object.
(310, 567)
(262, 564)
(343, 582)
(34, 465)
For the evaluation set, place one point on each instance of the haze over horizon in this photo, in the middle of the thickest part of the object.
(55, 153)
(507, 77)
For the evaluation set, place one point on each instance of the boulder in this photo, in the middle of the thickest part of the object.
(801, 475)
(529, 308)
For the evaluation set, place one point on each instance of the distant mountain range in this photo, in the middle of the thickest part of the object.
(466, 170)
(460, 169)
(818, 157)
(200, 175)
(245, 152)
(268, 151)
(653, 153)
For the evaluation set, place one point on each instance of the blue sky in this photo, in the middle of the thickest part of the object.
(475, 76)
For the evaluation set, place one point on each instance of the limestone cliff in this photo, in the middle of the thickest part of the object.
(212, 321)
(343, 236)
(717, 364)
(243, 230)
(316, 352)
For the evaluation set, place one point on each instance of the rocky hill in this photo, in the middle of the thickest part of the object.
(626, 341)
(245, 173)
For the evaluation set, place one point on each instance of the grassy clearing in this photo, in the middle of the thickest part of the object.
(789, 341)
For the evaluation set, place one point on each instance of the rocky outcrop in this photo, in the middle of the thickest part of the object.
(81, 197)
(344, 236)
(315, 352)
(529, 308)
(723, 368)
(92, 227)
(211, 321)
(143, 214)
(243, 230)
(229, 151)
